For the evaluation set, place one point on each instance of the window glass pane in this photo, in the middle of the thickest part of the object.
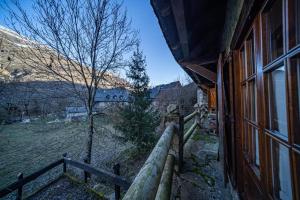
(274, 30)
(252, 100)
(297, 20)
(250, 55)
(277, 101)
(296, 169)
(246, 139)
(256, 146)
(243, 63)
(298, 86)
(244, 101)
(295, 72)
(282, 188)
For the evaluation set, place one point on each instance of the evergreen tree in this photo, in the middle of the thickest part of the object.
(138, 118)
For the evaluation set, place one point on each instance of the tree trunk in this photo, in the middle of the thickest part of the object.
(89, 142)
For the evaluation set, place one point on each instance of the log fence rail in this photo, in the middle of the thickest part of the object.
(113, 178)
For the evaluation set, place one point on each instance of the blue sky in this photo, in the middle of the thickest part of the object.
(161, 66)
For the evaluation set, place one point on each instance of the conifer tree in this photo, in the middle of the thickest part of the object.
(138, 118)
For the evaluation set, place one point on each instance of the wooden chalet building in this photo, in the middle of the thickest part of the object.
(250, 51)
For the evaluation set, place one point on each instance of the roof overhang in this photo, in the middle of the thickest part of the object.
(193, 31)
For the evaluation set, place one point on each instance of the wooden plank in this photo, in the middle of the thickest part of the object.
(178, 12)
(110, 177)
(12, 187)
(201, 71)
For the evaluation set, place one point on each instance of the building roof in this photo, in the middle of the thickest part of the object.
(112, 95)
(193, 31)
(79, 109)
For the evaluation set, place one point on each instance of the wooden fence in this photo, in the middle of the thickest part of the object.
(113, 178)
(154, 180)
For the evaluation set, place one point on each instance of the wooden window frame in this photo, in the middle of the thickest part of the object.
(265, 38)
(290, 50)
(248, 74)
(264, 180)
(291, 24)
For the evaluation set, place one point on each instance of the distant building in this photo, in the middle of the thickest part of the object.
(75, 112)
(112, 95)
(105, 97)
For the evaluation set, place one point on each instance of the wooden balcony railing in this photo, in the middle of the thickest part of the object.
(113, 178)
(154, 180)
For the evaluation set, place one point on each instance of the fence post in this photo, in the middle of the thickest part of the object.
(180, 143)
(86, 174)
(64, 164)
(116, 169)
(20, 189)
(198, 115)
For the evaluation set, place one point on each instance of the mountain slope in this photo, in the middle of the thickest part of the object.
(13, 47)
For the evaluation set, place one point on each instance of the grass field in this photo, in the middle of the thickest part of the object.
(28, 147)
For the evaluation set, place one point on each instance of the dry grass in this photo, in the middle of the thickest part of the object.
(28, 147)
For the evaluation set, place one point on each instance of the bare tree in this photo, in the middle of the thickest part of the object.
(77, 41)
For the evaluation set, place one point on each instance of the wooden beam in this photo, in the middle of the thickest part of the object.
(165, 186)
(203, 61)
(201, 71)
(178, 12)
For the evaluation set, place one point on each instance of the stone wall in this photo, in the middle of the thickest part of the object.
(201, 97)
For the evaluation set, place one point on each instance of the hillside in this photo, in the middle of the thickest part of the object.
(14, 49)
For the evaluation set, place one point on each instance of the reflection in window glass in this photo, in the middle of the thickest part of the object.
(253, 100)
(243, 60)
(295, 71)
(256, 147)
(297, 20)
(277, 101)
(274, 30)
(246, 139)
(244, 102)
(282, 188)
(298, 86)
(251, 55)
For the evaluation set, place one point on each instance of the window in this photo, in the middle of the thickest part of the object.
(254, 134)
(297, 20)
(256, 147)
(252, 100)
(249, 102)
(282, 188)
(250, 55)
(244, 97)
(276, 88)
(295, 98)
(294, 23)
(243, 63)
(246, 139)
(274, 30)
